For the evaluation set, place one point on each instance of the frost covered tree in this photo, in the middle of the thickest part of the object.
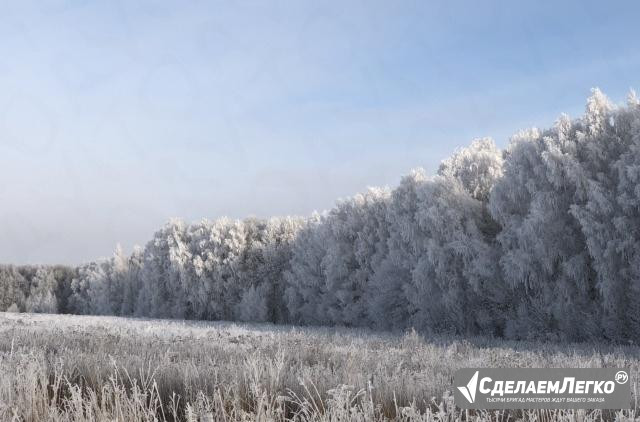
(222, 269)
(476, 167)
(35, 288)
(104, 287)
(90, 292)
(13, 286)
(42, 298)
(64, 276)
(543, 248)
(204, 245)
(626, 223)
(559, 204)
(370, 247)
(163, 280)
(253, 305)
(390, 307)
(131, 280)
(356, 240)
(456, 272)
(265, 261)
(606, 173)
(439, 274)
(282, 234)
(230, 239)
(305, 280)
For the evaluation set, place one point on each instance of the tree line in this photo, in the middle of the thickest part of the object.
(540, 240)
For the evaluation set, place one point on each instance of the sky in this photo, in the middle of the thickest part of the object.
(116, 116)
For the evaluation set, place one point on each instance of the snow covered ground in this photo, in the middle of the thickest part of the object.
(82, 367)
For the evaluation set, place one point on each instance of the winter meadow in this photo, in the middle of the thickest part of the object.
(528, 256)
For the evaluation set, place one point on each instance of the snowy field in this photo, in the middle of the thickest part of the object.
(55, 367)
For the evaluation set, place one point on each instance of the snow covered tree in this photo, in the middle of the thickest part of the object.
(42, 298)
(90, 290)
(131, 272)
(606, 173)
(356, 242)
(267, 257)
(455, 285)
(627, 229)
(305, 280)
(230, 241)
(543, 246)
(389, 305)
(476, 167)
(440, 273)
(455, 261)
(13, 286)
(163, 273)
(64, 276)
(253, 305)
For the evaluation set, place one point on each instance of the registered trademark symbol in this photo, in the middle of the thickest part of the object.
(621, 377)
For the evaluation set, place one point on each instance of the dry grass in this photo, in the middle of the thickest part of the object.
(76, 368)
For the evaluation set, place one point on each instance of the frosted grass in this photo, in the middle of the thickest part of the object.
(72, 368)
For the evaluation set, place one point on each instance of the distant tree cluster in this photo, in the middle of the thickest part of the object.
(224, 269)
(35, 288)
(539, 240)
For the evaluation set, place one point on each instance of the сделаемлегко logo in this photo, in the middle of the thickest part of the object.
(542, 388)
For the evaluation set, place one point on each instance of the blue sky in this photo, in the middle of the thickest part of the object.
(116, 116)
